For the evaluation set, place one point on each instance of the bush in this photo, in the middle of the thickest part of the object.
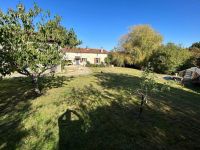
(108, 60)
(120, 58)
(170, 58)
(95, 65)
(195, 50)
(65, 62)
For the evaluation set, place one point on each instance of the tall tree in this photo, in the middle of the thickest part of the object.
(30, 41)
(141, 42)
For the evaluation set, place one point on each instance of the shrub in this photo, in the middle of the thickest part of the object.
(64, 63)
(195, 49)
(108, 60)
(95, 65)
(170, 58)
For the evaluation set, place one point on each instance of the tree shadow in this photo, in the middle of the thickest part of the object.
(193, 86)
(118, 81)
(116, 127)
(170, 120)
(48, 82)
(176, 96)
(17, 90)
(125, 81)
(16, 95)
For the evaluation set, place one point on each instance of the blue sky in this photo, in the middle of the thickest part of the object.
(101, 23)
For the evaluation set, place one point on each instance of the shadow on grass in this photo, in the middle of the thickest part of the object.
(49, 82)
(15, 101)
(118, 81)
(116, 127)
(170, 121)
(176, 98)
(193, 86)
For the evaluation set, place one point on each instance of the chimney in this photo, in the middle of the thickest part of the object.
(101, 50)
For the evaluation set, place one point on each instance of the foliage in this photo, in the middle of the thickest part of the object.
(88, 64)
(117, 59)
(140, 43)
(143, 45)
(30, 41)
(195, 45)
(65, 62)
(120, 59)
(149, 86)
(70, 39)
(195, 49)
(108, 59)
(170, 58)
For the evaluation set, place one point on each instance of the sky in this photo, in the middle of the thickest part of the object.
(101, 23)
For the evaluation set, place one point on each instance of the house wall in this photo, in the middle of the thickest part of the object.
(89, 56)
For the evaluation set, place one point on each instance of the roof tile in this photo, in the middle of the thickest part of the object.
(85, 50)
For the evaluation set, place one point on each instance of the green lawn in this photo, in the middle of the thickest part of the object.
(107, 107)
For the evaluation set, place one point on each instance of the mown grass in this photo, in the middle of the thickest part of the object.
(107, 105)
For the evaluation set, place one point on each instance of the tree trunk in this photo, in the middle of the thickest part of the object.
(141, 106)
(35, 83)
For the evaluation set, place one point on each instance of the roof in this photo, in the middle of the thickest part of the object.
(194, 69)
(85, 50)
(192, 73)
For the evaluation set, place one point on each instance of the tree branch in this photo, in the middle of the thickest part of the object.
(23, 73)
(50, 67)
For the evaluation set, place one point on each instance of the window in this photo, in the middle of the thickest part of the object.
(83, 59)
(97, 60)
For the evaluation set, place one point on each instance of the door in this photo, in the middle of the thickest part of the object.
(77, 62)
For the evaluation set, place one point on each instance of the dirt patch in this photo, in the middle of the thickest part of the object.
(75, 71)
(68, 71)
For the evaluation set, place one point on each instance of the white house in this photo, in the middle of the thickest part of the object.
(80, 56)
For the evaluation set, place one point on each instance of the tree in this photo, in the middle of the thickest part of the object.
(170, 58)
(195, 45)
(108, 60)
(195, 49)
(120, 58)
(149, 86)
(140, 43)
(31, 41)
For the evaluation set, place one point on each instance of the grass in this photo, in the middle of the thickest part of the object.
(104, 108)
